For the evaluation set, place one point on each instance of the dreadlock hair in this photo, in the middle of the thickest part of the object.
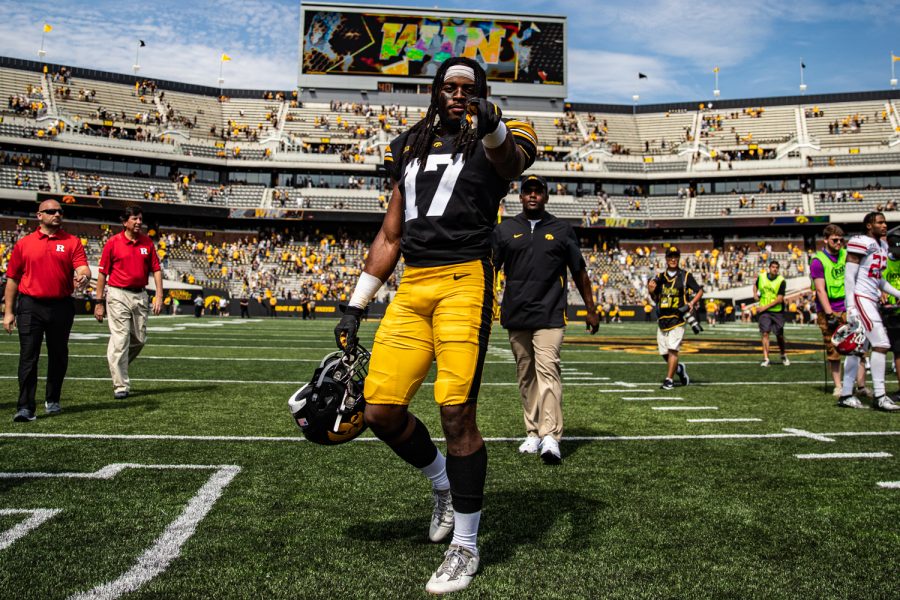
(422, 133)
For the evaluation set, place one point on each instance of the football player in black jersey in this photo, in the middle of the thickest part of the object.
(450, 172)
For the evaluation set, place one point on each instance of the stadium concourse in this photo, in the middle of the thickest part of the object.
(275, 195)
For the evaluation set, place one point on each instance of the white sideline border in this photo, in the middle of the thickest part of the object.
(299, 438)
(167, 547)
(37, 517)
(891, 485)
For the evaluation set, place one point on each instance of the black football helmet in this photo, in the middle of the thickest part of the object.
(329, 409)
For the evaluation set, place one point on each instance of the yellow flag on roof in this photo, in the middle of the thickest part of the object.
(715, 69)
(48, 27)
(225, 57)
(894, 58)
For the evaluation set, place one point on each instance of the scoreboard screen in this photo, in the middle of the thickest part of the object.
(349, 42)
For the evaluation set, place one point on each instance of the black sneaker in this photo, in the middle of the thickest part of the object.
(23, 416)
(681, 371)
(667, 384)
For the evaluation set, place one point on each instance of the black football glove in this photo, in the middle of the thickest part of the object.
(487, 115)
(345, 331)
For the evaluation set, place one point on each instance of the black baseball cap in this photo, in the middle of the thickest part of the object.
(673, 251)
(532, 180)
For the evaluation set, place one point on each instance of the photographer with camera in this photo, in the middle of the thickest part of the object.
(769, 290)
(670, 290)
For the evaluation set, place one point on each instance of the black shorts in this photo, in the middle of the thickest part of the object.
(770, 322)
(894, 339)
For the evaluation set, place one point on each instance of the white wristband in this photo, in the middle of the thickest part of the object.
(496, 138)
(366, 288)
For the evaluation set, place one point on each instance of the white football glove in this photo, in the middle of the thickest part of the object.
(852, 316)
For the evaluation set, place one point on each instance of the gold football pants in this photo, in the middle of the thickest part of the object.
(439, 313)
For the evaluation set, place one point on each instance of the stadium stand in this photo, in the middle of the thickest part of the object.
(140, 140)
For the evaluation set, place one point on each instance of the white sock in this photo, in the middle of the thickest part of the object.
(436, 472)
(851, 365)
(465, 530)
(877, 360)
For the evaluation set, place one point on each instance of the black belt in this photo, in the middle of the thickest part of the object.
(134, 290)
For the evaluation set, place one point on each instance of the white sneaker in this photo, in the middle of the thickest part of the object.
(442, 517)
(550, 453)
(850, 402)
(785, 361)
(764, 363)
(531, 445)
(455, 573)
(886, 404)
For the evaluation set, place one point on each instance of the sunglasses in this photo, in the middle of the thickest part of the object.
(52, 211)
(836, 239)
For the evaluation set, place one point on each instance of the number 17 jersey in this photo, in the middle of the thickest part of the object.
(450, 203)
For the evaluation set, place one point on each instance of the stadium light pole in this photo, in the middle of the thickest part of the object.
(893, 74)
(137, 62)
(716, 91)
(802, 68)
(42, 53)
(634, 98)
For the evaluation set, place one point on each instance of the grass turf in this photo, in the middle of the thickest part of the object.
(621, 518)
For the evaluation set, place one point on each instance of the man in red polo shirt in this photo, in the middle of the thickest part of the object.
(127, 261)
(40, 273)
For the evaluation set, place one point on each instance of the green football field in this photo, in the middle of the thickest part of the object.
(748, 483)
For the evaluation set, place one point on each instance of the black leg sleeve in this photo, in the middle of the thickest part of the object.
(467, 475)
(418, 450)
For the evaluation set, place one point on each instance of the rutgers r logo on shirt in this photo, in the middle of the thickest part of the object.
(144, 251)
(60, 248)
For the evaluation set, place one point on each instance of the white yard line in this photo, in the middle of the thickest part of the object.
(892, 485)
(684, 407)
(813, 436)
(167, 547)
(739, 420)
(36, 517)
(829, 455)
(299, 438)
(642, 398)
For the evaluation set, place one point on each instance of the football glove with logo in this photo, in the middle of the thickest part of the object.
(329, 409)
(485, 115)
(345, 330)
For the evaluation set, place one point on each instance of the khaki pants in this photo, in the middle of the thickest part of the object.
(126, 313)
(537, 367)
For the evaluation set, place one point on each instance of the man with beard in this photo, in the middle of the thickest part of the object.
(449, 173)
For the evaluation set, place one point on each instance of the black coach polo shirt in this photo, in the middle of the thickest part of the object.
(535, 264)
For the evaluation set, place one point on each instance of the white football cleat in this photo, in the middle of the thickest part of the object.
(531, 445)
(850, 402)
(455, 573)
(886, 404)
(442, 517)
(764, 363)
